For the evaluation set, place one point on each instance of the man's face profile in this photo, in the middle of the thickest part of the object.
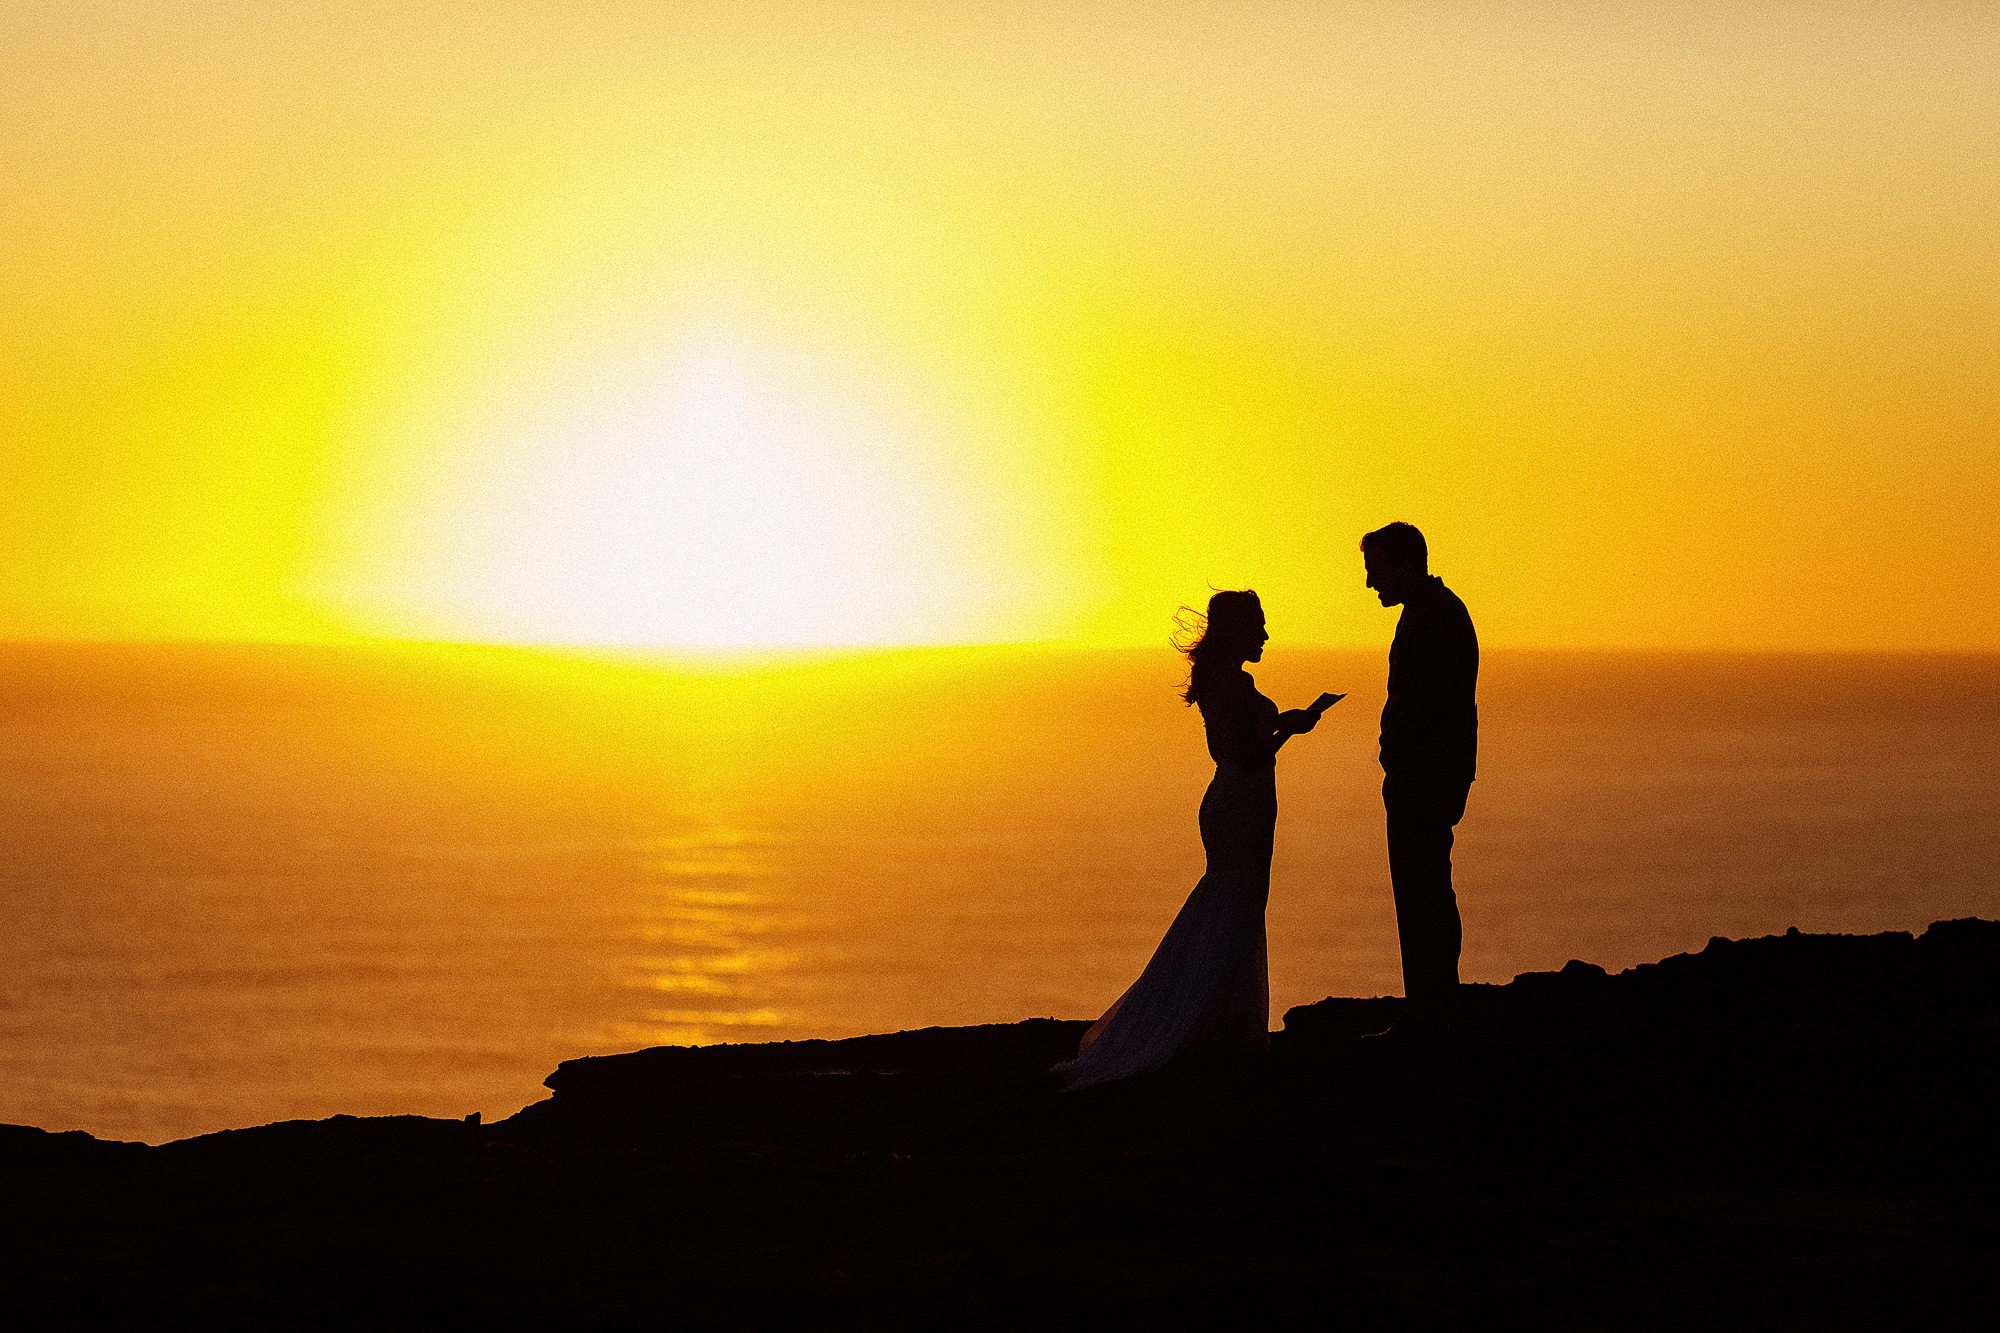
(1389, 578)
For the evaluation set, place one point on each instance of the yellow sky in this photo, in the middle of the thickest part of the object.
(792, 325)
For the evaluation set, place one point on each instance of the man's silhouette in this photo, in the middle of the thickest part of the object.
(1429, 739)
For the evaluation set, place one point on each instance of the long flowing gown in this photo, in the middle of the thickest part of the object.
(1207, 989)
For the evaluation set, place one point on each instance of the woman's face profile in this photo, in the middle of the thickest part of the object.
(1251, 638)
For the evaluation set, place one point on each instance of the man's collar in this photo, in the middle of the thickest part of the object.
(1426, 590)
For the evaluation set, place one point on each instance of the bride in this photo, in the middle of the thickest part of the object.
(1207, 989)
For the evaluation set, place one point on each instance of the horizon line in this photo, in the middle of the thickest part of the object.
(666, 654)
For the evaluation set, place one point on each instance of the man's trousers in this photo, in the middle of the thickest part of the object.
(1421, 814)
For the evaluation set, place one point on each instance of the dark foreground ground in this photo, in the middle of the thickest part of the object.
(1792, 1132)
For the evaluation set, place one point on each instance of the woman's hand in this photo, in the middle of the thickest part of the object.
(1297, 722)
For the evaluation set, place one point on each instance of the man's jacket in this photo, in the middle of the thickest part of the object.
(1430, 726)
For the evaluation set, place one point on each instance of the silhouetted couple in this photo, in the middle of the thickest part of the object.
(1207, 989)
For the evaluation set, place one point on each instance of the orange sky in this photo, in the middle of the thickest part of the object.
(803, 325)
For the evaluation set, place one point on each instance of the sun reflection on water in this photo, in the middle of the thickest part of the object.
(711, 916)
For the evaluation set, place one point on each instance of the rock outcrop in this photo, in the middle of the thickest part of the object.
(1794, 1131)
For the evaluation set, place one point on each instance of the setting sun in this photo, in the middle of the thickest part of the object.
(707, 492)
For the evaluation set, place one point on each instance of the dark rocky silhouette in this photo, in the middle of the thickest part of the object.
(1789, 1132)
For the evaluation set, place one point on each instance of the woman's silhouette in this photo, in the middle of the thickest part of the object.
(1207, 989)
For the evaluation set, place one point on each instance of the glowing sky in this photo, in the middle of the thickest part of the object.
(791, 325)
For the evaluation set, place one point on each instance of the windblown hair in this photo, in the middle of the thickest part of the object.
(1401, 542)
(1207, 657)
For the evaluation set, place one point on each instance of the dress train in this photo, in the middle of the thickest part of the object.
(1207, 988)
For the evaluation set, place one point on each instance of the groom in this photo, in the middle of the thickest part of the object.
(1429, 735)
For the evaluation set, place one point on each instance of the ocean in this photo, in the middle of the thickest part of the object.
(245, 884)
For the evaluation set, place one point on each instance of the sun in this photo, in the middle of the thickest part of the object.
(716, 493)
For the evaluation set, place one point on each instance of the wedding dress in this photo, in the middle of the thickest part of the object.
(1207, 989)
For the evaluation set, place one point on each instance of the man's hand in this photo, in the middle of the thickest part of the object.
(1297, 721)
